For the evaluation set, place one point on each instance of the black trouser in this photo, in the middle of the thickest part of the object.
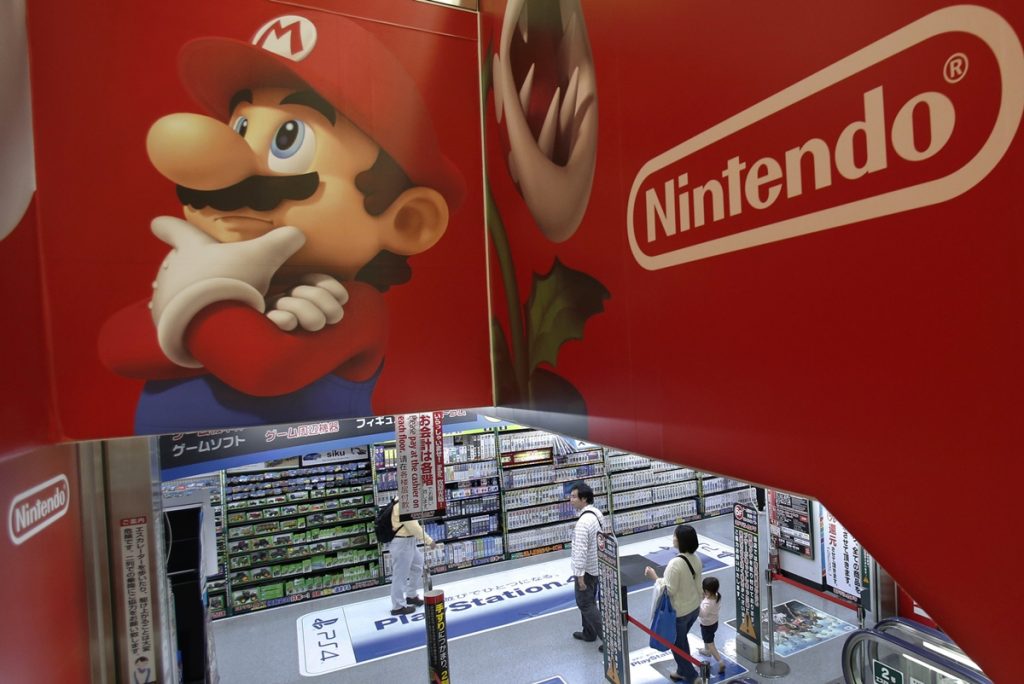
(586, 601)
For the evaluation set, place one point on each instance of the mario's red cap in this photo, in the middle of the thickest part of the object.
(347, 66)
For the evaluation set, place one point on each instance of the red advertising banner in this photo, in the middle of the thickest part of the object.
(761, 241)
(26, 418)
(43, 588)
(263, 207)
(419, 454)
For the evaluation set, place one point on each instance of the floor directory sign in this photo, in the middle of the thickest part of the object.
(748, 582)
(616, 650)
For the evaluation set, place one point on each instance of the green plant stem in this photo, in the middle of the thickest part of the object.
(496, 228)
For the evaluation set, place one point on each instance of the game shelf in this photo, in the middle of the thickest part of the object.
(300, 532)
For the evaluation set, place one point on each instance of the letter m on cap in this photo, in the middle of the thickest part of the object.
(289, 36)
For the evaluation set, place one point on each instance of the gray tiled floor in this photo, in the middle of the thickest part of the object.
(262, 648)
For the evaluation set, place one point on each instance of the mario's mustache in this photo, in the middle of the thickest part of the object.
(261, 193)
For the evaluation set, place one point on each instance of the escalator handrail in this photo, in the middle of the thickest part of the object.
(925, 633)
(911, 625)
(969, 675)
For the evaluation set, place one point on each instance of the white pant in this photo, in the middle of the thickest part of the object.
(406, 570)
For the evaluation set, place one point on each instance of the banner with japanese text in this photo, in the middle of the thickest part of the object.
(419, 453)
(841, 558)
(747, 540)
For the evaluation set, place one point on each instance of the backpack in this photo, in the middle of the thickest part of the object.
(382, 523)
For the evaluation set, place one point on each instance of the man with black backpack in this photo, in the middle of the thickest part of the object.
(406, 557)
(584, 560)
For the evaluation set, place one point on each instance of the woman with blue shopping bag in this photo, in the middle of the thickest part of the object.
(681, 593)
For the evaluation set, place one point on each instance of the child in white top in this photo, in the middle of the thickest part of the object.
(709, 607)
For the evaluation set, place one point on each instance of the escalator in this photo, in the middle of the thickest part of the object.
(899, 651)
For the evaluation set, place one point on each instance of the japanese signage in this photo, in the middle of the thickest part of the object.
(355, 453)
(438, 670)
(324, 645)
(794, 520)
(137, 600)
(419, 452)
(182, 449)
(748, 573)
(885, 674)
(841, 558)
(616, 650)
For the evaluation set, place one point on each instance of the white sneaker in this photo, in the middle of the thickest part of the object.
(704, 651)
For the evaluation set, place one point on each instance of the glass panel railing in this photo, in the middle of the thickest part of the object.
(928, 638)
(883, 657)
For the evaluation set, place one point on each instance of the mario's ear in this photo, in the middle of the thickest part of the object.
(414, 222)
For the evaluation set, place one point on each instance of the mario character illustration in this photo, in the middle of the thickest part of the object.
(315, 175)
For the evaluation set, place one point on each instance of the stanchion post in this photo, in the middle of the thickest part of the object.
(438, 669)
(705, 671)
(772, 669)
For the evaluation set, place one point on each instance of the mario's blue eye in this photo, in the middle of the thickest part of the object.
(241, 125)
(293, 147)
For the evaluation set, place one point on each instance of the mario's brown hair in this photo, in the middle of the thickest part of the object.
(381, 185)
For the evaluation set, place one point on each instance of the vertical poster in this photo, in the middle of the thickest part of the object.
(137, 602)
(774, 563)
(842, 558)
(748, 577)
(419, 451)
(793, 514)
(616, 650)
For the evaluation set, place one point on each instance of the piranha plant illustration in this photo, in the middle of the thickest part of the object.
(545, 97)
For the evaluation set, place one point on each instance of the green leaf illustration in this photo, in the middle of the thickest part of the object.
(560, 304)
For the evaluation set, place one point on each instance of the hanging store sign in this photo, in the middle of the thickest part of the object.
(184, 449)
(419, 451)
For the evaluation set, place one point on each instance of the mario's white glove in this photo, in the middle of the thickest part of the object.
(319, 301)
(200, 271)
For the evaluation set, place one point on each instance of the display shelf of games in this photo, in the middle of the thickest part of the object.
(470, 532)
(298, 533)
(216, 585)
(719, 494)
(648, 494)
(538, 470)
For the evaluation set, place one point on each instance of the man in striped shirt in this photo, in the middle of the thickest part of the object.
(589, 522)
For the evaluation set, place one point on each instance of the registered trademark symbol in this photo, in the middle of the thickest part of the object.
(955, 68)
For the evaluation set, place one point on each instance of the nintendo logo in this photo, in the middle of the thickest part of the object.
(34, 510)
(683, 207)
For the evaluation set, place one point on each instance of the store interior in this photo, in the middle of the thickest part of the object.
(261, 546)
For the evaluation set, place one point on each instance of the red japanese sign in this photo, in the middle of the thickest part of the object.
(419, 455)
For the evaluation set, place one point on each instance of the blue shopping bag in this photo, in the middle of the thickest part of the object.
(663, 622)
